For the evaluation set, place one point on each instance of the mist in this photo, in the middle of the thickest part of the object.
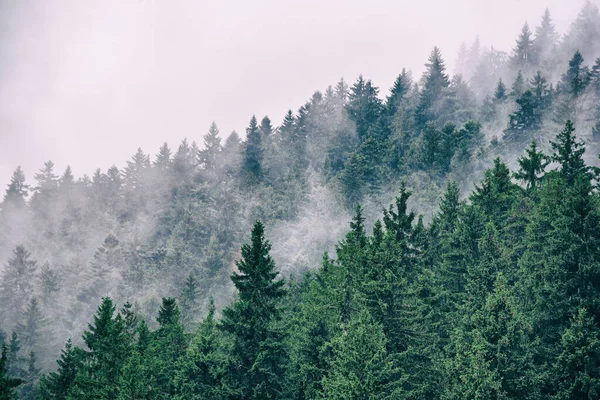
(87, 83)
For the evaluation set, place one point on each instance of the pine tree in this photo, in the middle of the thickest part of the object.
(16, 285)
(166, 349)
(33, 326)
(189, 301)
(7, 384)
(163, 158)
(546, 38)
(524, 122)
(532, 166)
(364, 107)
(341, 92)
(209, 156)
(577, 77)
(17, 191)
(251, 321)
(360, 367)
(398, 92)
(56, 385)
(518, 86)
(253, 153)
(30, 379)
(494, 358)
(524, 57)
(200, 373)
(500, 92)
(577, 367)
(568, 152)
(435, 82)
(541, 91)
(97, 378)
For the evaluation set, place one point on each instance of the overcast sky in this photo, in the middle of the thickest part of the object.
(85, 82)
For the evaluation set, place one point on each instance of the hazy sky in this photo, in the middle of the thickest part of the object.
(85, 82)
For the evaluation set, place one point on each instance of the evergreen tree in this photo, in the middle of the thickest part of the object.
(253, 153)
(97, 378)
(16, 285)
(56, 385)
(166, 349)
(7, 384)
(575, 80)
(33, 326)
(252, 321)
(360, 367)
(435, 82)
(200, 373)
(189, 301)
(568, 152)
(525, 121)
(546, 38)
(577, 369)
(209, 156)
(17, 191)
(523, 56)
(531, 166)
(163, 158)
(518, 86)
(500, 92)
(398, 92)
(364, 107)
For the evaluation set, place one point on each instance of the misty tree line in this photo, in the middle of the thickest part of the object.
(171, 226)
(496, 298)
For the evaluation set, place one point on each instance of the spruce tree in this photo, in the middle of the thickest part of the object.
(97, 378)
(252, 321)
(17, 190)
(531, 166)
(360, 367)
(200, 373)
(166, 349)
(17, 285)
(253, 153)
(162, 160)
(210, 154)
(500, 92)
(7, 383)
(435, 83)
(56, 385)
(568, 152)
(523, 56)
(577, 368)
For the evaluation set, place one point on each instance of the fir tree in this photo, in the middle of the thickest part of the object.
(500, 92)
(209, 156)
(532, 166)
(16, 285)
(575, 80)
(253, 153)
(7, 384)
(200, 373)
(523, 57)
(17, 190)
(360, 367)
(577, 367)
(163, 158)
(56, 385)
(251, 321)
(568, 152)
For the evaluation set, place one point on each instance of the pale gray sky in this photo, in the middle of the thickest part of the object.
(86, 82)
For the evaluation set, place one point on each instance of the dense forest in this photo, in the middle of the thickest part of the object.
(470, 268)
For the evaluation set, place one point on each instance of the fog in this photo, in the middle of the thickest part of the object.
(86, 83)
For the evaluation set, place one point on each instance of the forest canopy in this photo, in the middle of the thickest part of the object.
(438, 242)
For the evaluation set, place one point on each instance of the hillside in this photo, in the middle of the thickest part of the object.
(480, 280)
